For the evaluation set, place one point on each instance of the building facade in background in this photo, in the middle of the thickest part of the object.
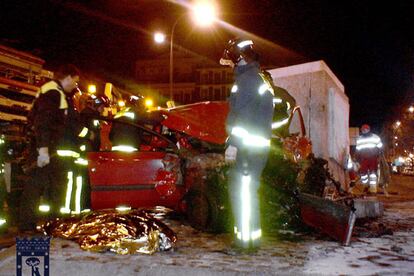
(195, 79)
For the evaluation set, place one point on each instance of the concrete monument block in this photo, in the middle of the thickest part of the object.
(325, 108)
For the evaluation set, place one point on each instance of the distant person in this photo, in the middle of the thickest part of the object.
(50, 118)
(368, 150)
(249, 125)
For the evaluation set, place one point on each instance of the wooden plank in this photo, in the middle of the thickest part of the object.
(335, 220)
(11, 117)
(12, 103)
(18, 87)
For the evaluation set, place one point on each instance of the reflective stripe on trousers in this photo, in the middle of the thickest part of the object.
(75, 199)
(364, 179)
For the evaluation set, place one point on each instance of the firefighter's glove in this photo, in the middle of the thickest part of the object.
(43, 158)
(230, 154)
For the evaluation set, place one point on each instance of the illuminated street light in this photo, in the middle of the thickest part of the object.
(411, 109)
(159, 37)
(204, 14)
(397, 124)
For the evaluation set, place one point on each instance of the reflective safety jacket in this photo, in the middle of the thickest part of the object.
(368, 145)
(249, 122)
(49, 114)
(55, 121)
(283, 104)
(123, 134)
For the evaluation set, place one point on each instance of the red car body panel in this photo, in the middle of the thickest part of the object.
(135, 199)
(205, 120)
(120, 178)
(103, 173)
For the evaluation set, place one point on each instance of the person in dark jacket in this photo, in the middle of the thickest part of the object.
(249, 125)
(125, 136)
(51, 117)
(90, 116)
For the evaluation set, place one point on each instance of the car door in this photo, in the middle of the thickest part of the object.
(135, 176)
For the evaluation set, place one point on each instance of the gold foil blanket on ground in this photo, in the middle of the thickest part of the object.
(129, 232)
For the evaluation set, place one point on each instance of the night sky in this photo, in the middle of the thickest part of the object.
(369, 45)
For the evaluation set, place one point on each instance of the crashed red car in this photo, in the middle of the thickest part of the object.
(157, 173)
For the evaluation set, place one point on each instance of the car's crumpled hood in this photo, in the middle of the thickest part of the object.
(204, 120)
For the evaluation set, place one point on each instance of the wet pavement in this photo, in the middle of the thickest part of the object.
(199, 253)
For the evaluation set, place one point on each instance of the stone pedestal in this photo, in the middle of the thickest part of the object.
(368, 208)
(325, 108)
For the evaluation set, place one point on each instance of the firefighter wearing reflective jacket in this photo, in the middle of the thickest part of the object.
(283, 104)
(50, 118)
(124, 136)
(249, 125)
(368, 150)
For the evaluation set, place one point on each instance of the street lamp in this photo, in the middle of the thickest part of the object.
(159, 37)
(204, 14)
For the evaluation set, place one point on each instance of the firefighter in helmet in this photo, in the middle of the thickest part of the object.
(368, 149)
(249, 126)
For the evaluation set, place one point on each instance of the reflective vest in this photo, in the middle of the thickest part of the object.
(52, 85)
(250, 139)
(368, 142)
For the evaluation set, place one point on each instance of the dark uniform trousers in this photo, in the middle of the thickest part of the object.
(250, 162)
(48, 183)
